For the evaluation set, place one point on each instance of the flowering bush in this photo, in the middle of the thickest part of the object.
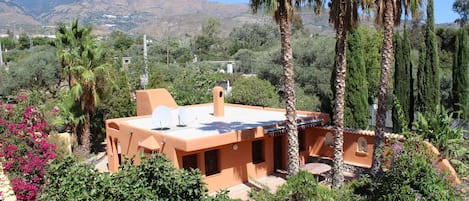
(24, 151)
(411, 176)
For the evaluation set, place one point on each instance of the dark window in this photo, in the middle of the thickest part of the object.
(258, 151)
(189, 162)
(301, 140)
(148, 152)
(211, 162)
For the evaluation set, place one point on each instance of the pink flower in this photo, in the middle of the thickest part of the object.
(8, 107)
(21, 98)
(36, 179)
(11, 126)
(26, 152)
(28, 112)
(56, 110)
(12, 147)
(397, 147)
(21, 126)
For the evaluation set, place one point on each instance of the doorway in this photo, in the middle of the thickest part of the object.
(278, 154)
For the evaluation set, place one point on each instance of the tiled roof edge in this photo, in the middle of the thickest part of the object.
(365, 132)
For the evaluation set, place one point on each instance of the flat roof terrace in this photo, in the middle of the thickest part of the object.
(202, 123)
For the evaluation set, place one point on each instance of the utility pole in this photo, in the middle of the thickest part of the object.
(30, 43)
(167, 45)
(167, 53)
(1, 55)
(144, 77)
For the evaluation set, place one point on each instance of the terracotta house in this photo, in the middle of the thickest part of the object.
(229, 143)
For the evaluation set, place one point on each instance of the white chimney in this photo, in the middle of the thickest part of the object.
(229, 68)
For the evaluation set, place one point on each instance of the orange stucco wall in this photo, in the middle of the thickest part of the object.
(235, 165)
(351, 155)
(442, 163)
(148, 100)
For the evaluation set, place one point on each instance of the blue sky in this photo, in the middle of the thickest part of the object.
(443, 9)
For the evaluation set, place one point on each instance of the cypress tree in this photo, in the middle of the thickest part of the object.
(432, 62)
(461, 74)
(410, 110)
(429, 97)
(421, 79)
(398, 83)
(403, 82)
(356, 91)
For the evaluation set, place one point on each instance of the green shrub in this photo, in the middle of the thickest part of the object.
(437, 129)
(302, 186)
(261, 195)
(459, 156)
(451, 143)
(411, 176)
(253, 91)
(345, 193)
(154, 178)
(68, 180)
(221, 195)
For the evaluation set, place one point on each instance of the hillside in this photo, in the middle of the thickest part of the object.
(12, 14)
(153, 17)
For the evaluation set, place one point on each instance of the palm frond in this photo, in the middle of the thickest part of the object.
(76, 91)
(343, 11)
(88, 77)
(273, 6)
(399, 6)
(77, 69)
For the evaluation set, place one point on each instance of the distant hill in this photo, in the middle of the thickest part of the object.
(153, 17)
(11, 14)
(36, 7)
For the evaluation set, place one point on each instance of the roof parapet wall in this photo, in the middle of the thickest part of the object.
(148, 100)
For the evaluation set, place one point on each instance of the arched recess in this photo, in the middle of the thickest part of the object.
(362, 145)
(329, 141)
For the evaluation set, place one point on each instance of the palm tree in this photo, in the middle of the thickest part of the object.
(344, 16)
(89, 85)
(85, 69)
(68, 47)
(283, 12)
(388, 15)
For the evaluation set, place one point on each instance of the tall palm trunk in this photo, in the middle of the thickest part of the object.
(341, 68)
(387, 54)
(287, 61)
(85, 137)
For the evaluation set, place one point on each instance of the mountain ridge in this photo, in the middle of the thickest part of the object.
(124, 15)
(153, 17)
